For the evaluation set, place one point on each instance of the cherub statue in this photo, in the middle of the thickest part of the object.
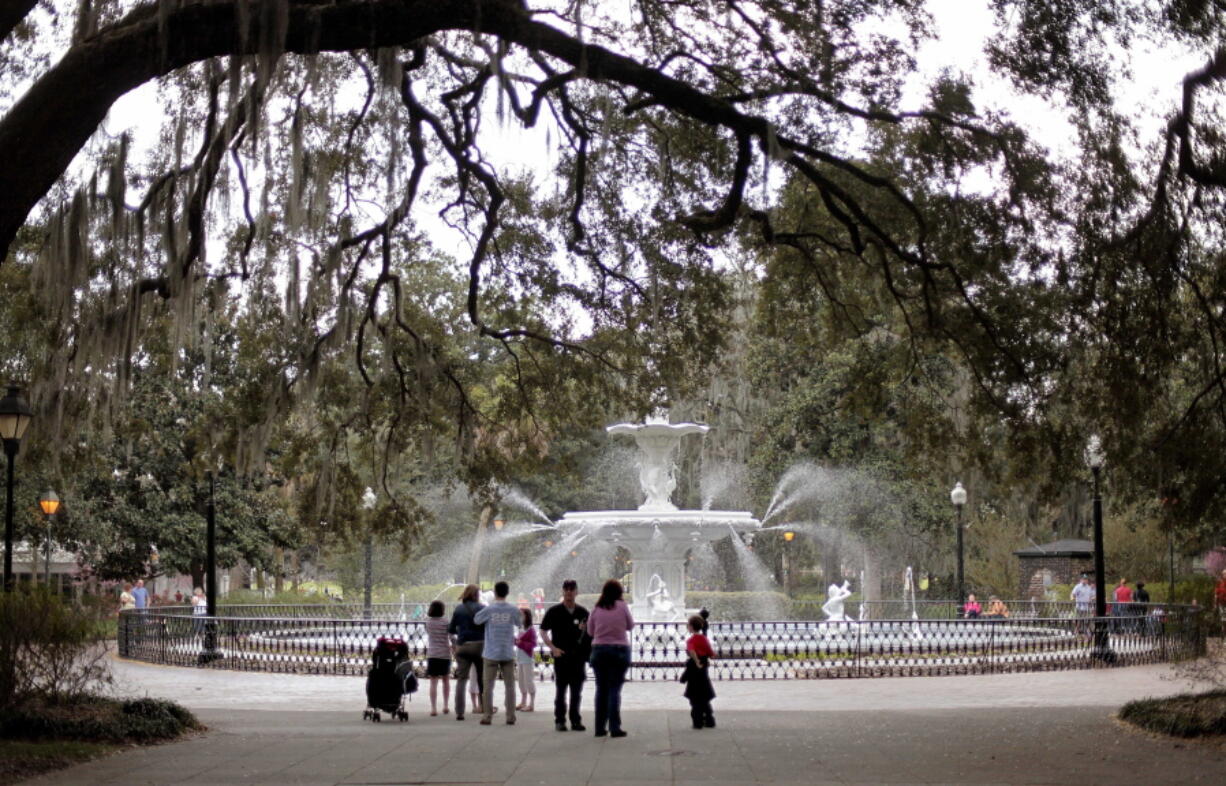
(833, 607)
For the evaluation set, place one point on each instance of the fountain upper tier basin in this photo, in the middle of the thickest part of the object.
(685, 526)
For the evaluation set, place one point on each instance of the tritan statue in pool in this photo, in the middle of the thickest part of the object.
(662, 606)
(833, 607)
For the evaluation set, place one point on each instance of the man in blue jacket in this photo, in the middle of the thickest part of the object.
(500, 620)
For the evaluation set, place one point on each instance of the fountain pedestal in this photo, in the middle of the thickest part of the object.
(658, 535)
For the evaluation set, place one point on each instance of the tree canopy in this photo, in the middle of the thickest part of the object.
(350, 176)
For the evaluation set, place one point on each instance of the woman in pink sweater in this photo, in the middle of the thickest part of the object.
(609, 626)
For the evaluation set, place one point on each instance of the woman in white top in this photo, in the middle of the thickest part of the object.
(200, 608)
(126, 599)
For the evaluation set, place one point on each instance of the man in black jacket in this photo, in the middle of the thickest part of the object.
(564, 631)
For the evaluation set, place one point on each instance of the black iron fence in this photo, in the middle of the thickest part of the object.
(792, 649)
(768, 606)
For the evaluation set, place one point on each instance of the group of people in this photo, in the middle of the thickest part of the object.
(1125, 601)
(499, 640)
(973, 609)
(135, 596)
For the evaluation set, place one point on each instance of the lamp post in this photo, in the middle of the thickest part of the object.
(958, 497)
(1095, 458)
(1170, 542)
(15, 415)
(210, 652)
(787, 574)
(154, 559)
(368, 504)
(50, 503)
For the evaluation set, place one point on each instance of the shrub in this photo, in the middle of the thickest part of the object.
(97, 719)
(49, 648)
(1186, 715)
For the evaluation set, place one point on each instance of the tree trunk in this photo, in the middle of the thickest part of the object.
(474, 560)
(871, 591)
(832, 564)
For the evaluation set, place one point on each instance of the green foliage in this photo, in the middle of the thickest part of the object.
(50, 649)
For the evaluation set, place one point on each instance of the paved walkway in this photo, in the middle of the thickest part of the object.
(1052, 728)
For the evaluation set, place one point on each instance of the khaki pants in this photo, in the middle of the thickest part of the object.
(494, 669)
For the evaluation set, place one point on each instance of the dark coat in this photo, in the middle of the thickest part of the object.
(697, 681)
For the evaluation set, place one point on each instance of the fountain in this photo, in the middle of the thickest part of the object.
(658, 534)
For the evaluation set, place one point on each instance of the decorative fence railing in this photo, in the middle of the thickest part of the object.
(793, 649)
(740, 610)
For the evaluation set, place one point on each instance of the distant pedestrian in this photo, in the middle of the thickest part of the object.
(126, 599)
(141, 595)
(564, 631)
(609, 625)
(438, 655)
(500, 620)
(697, 675)
(178, 596)
(1219, 600)
(1083, 597)
(525, 662)
(468, 639)
(200, 609)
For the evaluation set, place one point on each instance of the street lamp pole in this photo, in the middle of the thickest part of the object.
(15, 415)
(210, 554)
(210, 653)
(368, 504)
(1096, 458)
(787, 572)
(50, 504)
(958, 497)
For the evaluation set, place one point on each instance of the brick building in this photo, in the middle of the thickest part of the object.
(1058, 562)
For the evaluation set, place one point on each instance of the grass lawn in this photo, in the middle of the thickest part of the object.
(20, 759)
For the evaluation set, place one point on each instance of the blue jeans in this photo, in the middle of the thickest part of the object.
(610, 663)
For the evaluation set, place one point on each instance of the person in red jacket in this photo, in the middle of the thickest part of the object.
(1219, 600)
(696, 677)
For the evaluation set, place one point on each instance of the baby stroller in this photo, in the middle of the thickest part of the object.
(390, 679)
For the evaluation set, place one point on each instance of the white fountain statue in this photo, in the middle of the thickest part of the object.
(662, 606)
(657, 534)
(835, 596)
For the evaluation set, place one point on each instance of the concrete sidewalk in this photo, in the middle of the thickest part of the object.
(1032, 728)
(1056, 746)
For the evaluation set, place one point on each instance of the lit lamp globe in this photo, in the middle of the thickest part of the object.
(788, 536)
(49, 502)
(958, 495)
(499, 523)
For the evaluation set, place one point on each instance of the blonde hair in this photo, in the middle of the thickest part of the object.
(471, 592)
